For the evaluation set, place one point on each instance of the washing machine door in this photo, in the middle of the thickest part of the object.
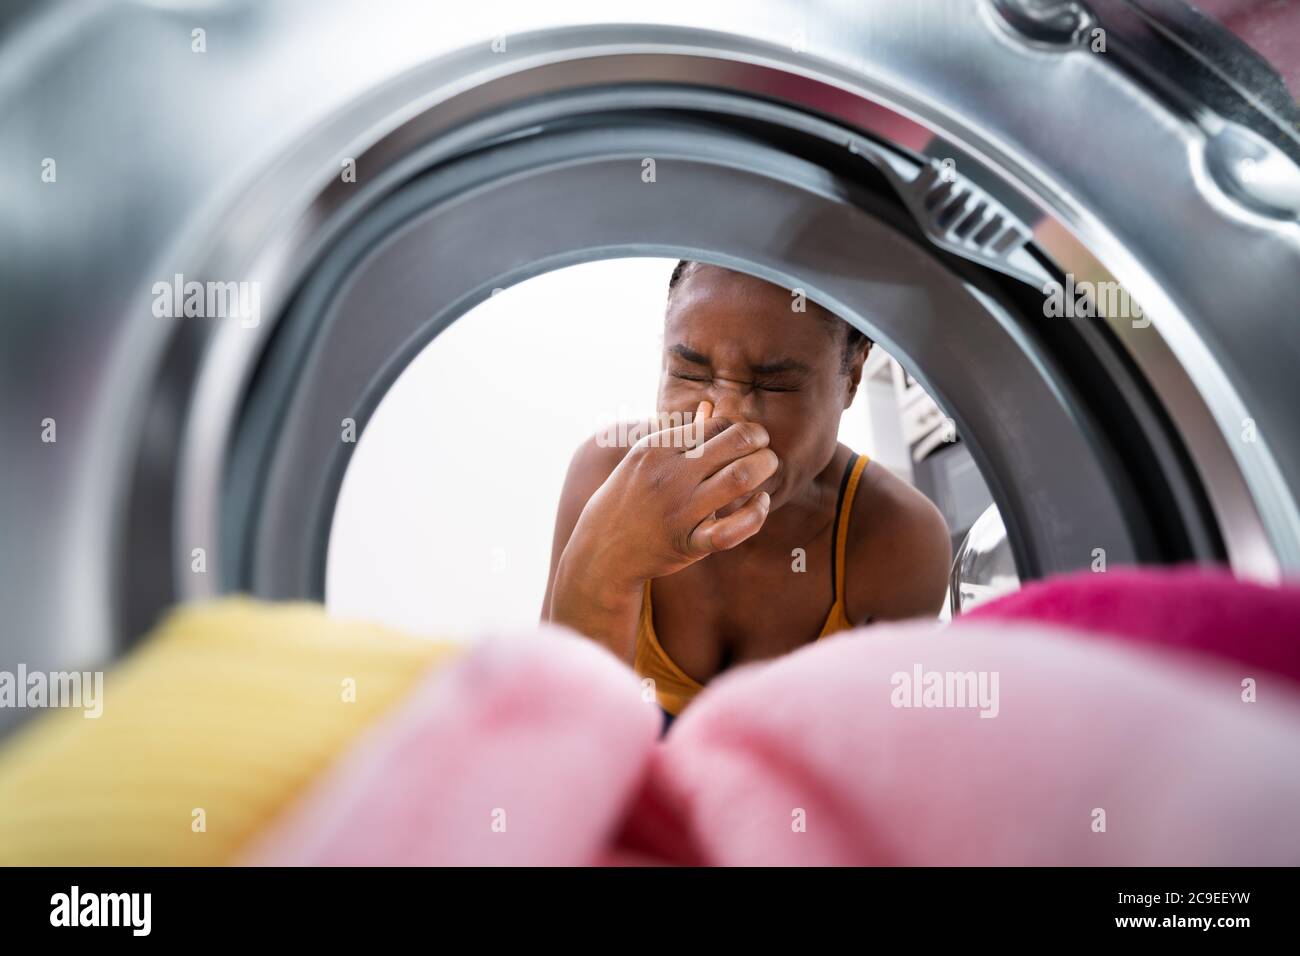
(1075, 224)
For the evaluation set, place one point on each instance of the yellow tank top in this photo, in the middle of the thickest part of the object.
(673, 686)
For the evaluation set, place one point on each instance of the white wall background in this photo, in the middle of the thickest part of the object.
(444, 521)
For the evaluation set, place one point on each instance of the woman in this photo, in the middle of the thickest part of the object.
(686, 559)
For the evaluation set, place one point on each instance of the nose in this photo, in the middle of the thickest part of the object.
(732, 399)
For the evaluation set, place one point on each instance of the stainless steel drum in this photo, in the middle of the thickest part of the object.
(371, 171)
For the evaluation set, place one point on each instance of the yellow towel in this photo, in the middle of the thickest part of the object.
(217, 722)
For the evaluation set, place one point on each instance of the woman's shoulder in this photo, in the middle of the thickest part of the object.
(596, 457)
(899, 550)
(601, 451)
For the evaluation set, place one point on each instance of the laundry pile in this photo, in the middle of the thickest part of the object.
(1130, 717)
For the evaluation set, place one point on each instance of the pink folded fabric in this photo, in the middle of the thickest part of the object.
(526, 751)
(1202, 610)
(993, 741)
(1098, 754)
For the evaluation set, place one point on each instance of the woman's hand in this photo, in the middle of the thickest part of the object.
(679, 495)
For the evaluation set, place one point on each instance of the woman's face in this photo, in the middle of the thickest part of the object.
(738, 342)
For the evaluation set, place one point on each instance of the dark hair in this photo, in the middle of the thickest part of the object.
(853, 338)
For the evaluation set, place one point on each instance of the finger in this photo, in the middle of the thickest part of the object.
(724, 445)
(696, 436)
(704, 430)
(670, 431)
(733, 481)
(720, 534)
(734, 506)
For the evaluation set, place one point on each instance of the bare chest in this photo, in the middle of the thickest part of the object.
(708, 619)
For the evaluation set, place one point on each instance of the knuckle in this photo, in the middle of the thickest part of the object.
(753, 435)
(681, 543)
(645, 467)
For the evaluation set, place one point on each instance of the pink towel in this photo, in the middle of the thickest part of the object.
(526, 751)
(808, 761)
(1200, 610)
(1143, 748)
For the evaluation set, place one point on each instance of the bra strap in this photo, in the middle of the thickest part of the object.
(843, 512)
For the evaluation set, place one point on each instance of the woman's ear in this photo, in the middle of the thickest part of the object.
(855, 371)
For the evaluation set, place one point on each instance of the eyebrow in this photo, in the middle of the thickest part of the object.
(764, 368)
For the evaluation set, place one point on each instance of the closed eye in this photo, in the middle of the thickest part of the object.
(763, 388)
